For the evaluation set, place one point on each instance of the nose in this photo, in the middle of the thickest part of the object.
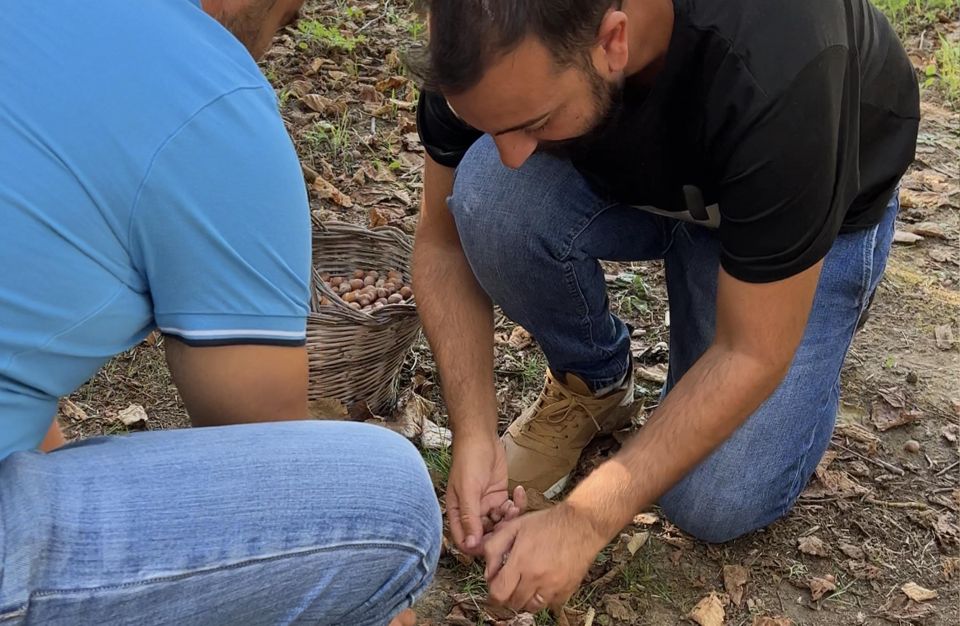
(515, 148)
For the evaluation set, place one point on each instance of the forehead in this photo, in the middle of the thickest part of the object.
(521, 84)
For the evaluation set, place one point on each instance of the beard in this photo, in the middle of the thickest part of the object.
(608, 104)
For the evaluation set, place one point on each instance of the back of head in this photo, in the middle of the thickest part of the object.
(467, 36)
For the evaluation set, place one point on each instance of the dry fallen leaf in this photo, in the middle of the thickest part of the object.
(735, 577)
(326, 409)
(852, 551)
(949, 567)
(618, 607)
(917, 593)
(656, 374)
(884, 416)
(520, 338)
(709, 611)
(322, 104)
(133, 414)
(900, 609)
(947, 532)
(944, 336)
(820, 586)
(70, 410)
(862, 570)
(646, 519)
(385, 215)
(637, 541)
(902, 236)
(435, 437)
(928, 229)
(812, 545)
(327, 191)
(951, 432)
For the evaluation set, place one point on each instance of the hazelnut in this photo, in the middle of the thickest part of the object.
(382, 293)
(359, 274)
(369, 280)
(406, 292)
(356, 283)
(394, 275)
(380, 282)
(335, 281)
(391, 287)
(324, 301)
(374, 274)
(365, 300)
(355, 306)
(350, 296)
(325, 276)
(395, 298)
(344, 288)
(382, 301)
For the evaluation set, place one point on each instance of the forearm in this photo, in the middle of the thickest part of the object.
(707, 405)
(458, 320)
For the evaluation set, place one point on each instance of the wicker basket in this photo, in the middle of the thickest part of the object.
(356, 356)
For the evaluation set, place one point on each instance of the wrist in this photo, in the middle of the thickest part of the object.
(588, 525)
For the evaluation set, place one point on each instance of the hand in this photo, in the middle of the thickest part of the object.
(477, 496)
(539, 560)
(406, 618)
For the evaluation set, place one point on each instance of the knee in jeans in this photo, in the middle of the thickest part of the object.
(715, 517)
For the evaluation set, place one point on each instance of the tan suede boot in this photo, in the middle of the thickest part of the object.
(544, 443)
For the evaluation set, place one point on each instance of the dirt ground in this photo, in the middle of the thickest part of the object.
(877, 516)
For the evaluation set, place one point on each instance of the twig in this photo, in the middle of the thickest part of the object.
(613, 573)
(887, 466)
(898, 505)
(591, 614)
(948, 468)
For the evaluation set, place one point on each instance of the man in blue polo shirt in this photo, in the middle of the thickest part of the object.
(147, 181)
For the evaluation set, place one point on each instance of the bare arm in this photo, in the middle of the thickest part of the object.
(236, 384)
(459, 329)
(759, 327)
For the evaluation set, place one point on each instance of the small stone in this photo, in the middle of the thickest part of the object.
(912, 446)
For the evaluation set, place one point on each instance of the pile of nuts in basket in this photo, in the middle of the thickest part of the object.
(368, 291)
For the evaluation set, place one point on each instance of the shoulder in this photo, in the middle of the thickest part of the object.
(772, 40)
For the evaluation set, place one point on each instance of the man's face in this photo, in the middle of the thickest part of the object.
(254, 22)
(528, 103)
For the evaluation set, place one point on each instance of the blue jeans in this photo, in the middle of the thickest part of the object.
(282, 523)
(533, 237)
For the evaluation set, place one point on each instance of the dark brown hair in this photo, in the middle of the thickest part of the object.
(467, 36)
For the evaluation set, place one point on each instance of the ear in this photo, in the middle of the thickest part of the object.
(612, 41)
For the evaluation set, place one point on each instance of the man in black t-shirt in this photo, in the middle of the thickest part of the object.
(756, 146)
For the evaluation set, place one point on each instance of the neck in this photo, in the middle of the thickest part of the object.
(649, 28)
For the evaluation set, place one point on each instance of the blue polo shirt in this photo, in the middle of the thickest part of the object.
(146, 180)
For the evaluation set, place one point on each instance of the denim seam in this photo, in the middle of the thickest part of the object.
(866, 278)
(199, 572)
(570, 274)
(867, 275)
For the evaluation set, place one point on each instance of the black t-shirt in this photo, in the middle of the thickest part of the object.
(780, 122)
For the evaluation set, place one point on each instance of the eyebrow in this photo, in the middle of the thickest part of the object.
(526, 124)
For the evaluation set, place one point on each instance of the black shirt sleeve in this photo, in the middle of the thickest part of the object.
(445, 137)
(788, 170)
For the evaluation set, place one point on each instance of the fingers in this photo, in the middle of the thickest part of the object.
(503, 583)
(522, 595)
(520, 499)
(536, 604)
(453, 516)
(496, 549)
(406, 618)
